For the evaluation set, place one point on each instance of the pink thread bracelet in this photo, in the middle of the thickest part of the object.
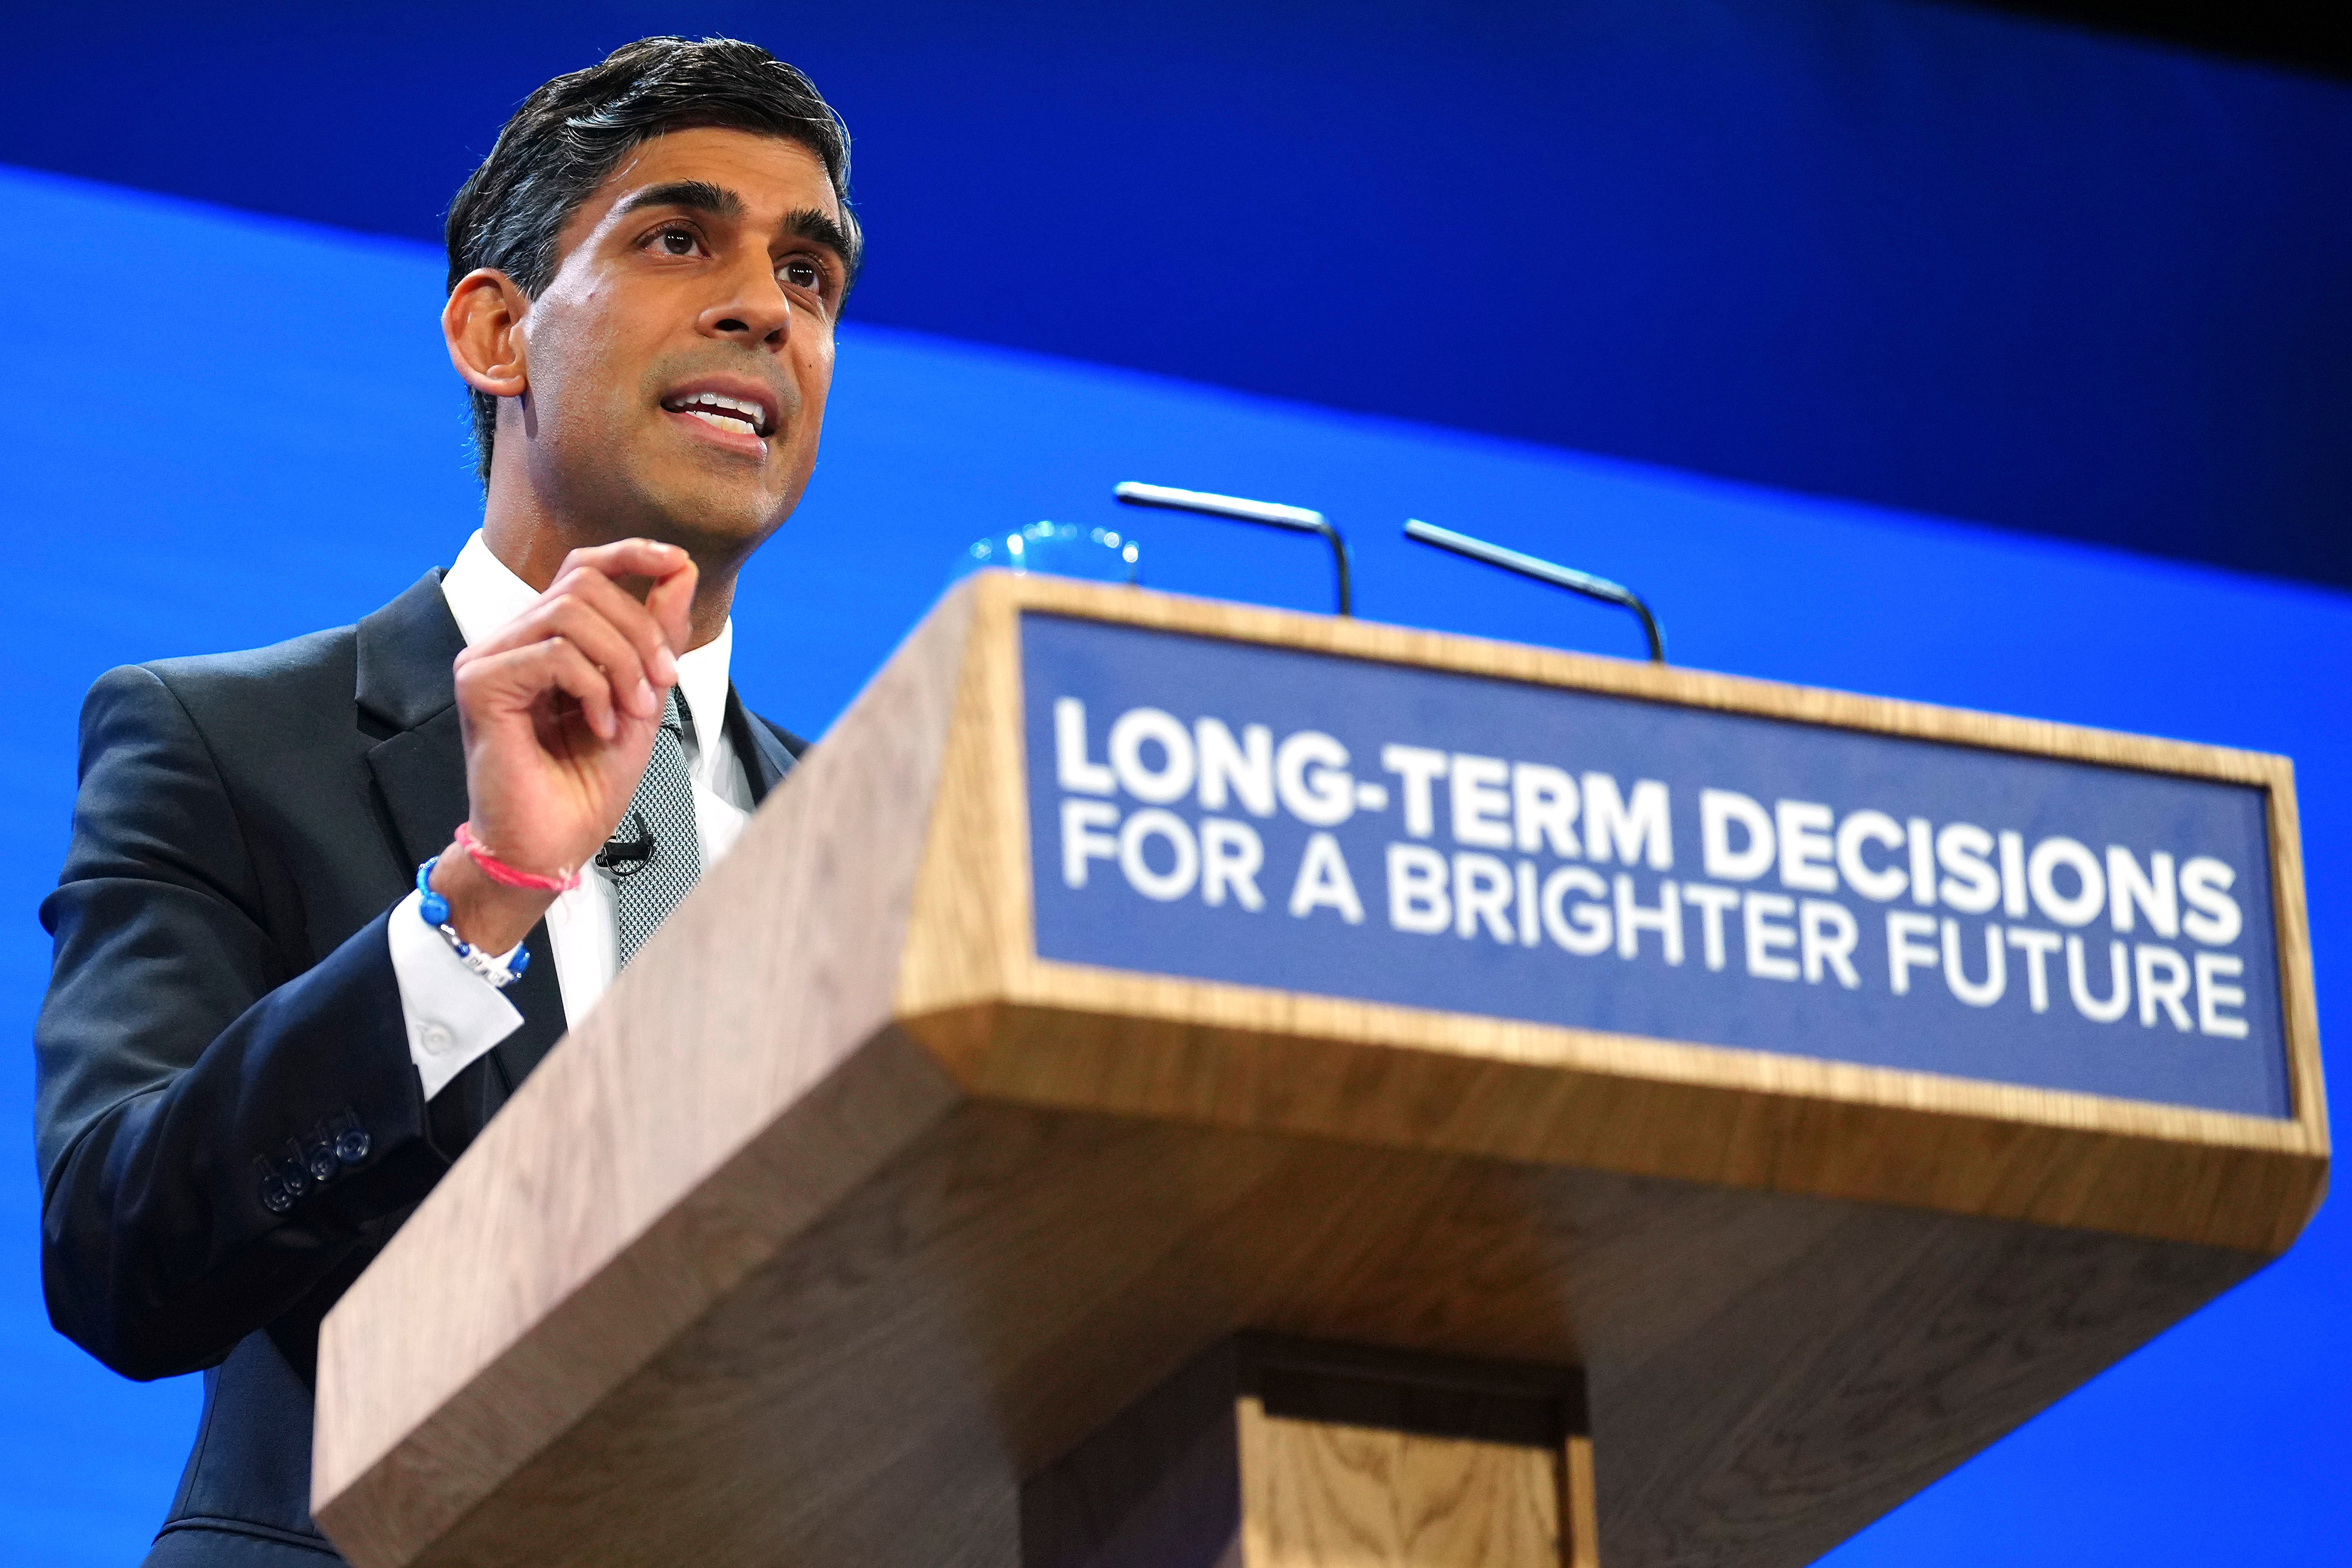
(507, 876)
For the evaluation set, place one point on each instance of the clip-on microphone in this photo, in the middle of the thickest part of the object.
(627, 856)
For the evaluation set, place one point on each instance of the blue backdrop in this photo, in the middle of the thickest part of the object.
(1929, 255)
(217, 431)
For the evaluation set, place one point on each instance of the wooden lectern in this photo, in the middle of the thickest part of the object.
(1175, 1083)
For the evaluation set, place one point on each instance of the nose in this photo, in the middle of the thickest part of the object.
(753, 310)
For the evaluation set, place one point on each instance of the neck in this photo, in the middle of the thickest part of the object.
(531, 540)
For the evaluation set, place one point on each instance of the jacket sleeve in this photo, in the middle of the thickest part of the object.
(218, 1133)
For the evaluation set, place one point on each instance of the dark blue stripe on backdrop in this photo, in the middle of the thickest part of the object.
(1954, 260)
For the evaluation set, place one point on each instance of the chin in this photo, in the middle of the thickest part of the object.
(711, 514)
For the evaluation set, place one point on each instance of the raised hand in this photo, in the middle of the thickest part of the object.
(559, 709)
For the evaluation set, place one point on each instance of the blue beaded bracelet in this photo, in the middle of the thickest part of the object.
(500, 972)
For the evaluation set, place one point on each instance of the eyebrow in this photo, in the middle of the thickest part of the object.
(819, 229)
(702, 195)
(695, 195)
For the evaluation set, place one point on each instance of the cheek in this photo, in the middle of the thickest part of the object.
(576, 366)
(814, 371)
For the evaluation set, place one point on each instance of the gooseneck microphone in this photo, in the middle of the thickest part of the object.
(1270, 513)
(1543, 571)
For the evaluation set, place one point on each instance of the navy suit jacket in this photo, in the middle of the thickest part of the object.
(228, 1121)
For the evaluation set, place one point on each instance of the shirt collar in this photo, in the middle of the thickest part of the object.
(484, 596)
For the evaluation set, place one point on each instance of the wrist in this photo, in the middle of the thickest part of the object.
(486, 914)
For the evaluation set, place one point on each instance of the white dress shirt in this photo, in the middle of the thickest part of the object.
(453, 1014)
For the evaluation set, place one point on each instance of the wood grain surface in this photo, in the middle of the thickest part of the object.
(1316, 1494)
(846, 1218)
(1293, 1454)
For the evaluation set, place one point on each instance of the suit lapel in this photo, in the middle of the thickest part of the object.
(405, 650)
(767, 757)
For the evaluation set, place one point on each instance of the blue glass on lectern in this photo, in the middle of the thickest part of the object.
(1059, 550)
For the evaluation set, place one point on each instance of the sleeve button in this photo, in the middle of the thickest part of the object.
(275, 1197)
(353, 1146)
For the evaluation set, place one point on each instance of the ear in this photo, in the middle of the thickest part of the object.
(482, 324)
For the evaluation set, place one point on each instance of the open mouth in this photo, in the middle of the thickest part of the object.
(730, 416)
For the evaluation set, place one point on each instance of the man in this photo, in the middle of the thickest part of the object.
(269, 1031)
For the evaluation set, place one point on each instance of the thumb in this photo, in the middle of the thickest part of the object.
(671, 604)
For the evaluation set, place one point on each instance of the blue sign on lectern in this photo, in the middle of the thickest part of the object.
(1230, 812)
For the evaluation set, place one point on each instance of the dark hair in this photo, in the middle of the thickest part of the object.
(574, 131)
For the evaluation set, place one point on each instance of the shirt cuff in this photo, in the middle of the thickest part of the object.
(452, 1014)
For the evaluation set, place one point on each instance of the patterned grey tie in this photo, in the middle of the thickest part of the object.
(663, 810)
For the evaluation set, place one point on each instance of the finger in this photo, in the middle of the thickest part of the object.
(571, 614)
(516, 678)
(646, 558)
(632, 620)
(593, 609)
(671, 604)
(572, 672)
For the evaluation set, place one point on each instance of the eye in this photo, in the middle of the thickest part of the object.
(801, 273)
(677, 241)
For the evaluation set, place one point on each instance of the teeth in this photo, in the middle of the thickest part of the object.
(742, 405)
(735, 410)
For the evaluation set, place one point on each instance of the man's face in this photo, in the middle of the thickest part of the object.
(679, 361)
